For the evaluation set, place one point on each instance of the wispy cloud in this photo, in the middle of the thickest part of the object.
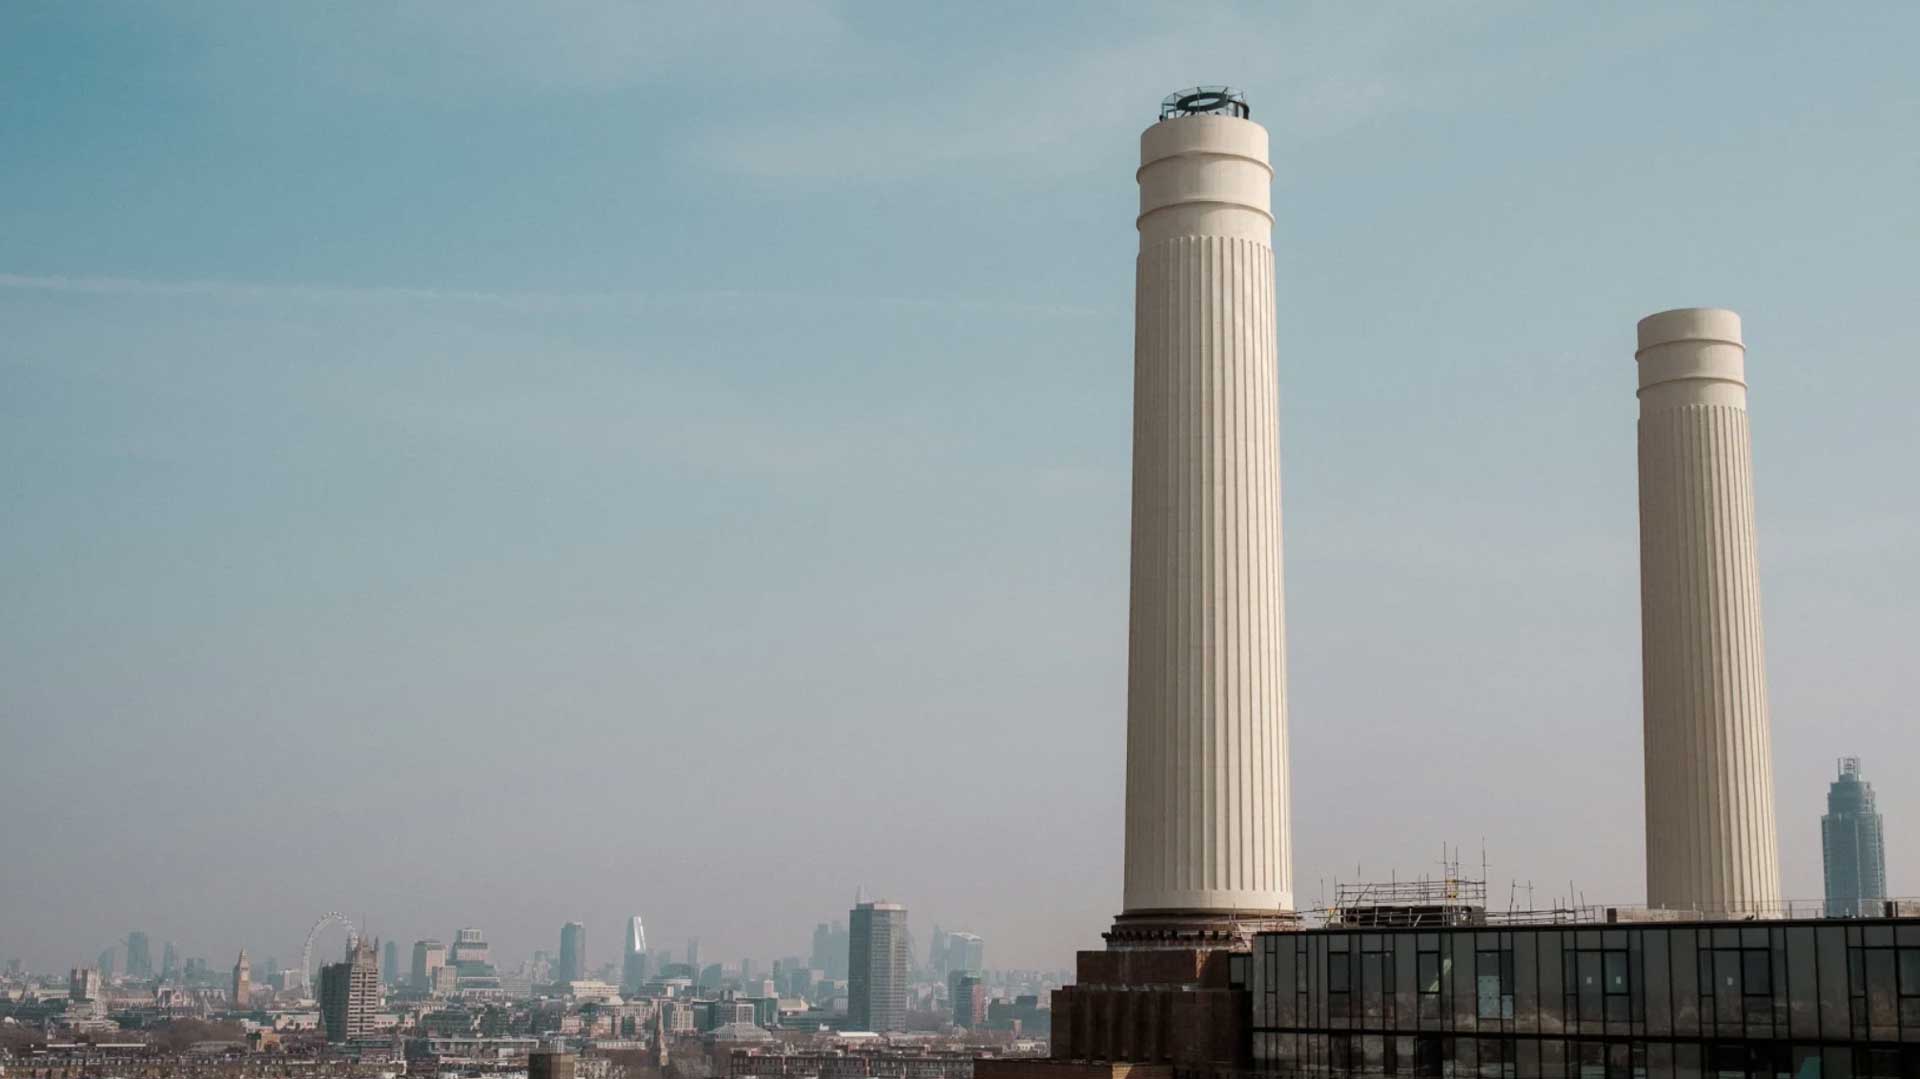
(535, 302)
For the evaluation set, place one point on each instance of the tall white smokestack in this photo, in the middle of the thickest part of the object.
(1709, 766)
(1207, 816)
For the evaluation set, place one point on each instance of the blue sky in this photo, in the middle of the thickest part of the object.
(504, 464)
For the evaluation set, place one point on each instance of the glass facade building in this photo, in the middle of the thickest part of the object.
(1780, 999)
(1852, 848)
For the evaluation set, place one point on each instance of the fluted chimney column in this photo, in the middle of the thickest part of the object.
(1709, 760)
(1207, 824)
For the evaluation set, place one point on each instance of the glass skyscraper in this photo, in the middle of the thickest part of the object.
(1852, 846)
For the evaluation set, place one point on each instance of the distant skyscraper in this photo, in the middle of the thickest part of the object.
(573, 953)
(350, 993)
(105, 964)
(1852, 845)
(968, 995)
(84, 985)
(877, 960)
(428, 956)
(139, 956)
(966, 952)
(633, 969)
(390, 964)
(242, 997)
(830, 949)
(169, 962)
(693, 954)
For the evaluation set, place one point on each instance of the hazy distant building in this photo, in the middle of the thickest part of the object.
(1853, 847)
(573, 953)
(964, 952)
(139, 956)
(390, 964)
(968, 995)
(633, 968)
(169, 962)
(473, 961)
(693, 953)
(428, 956)
(242, 997)
(350, 993)
(830, 950)
(84, 984)
(105, 964)
(877, 961)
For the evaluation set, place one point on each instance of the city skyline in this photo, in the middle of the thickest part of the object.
(323, 477)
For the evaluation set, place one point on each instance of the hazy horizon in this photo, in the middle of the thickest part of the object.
(478, 466)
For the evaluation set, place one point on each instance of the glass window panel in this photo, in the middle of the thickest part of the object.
(1553, 1058)
(1465, 1060)
(1613, 938)
(1463, 982)
(1637, 966)
(1726, 937)
(1487, 997)
(1803, 996)
(1659, 985)
(1882, 1011)
(1429, 973)
(1806, 1062)
(1373, 988)
(1910, 971)
(1686, 1060)
(1659, 1060)
(1589, 1060)
(1526, 984)
(1615, 966)
(1756, 973)
(1552, 989)
(1753, 936)
(1428, 1059)
(1588, 986)
(1831, 952)
(1879, 936)
(1686, 984)
(1729, 1009)
(1403, 980)
(1586, 938)
(1836, 1063)
(1907, 936)
(1339, 974)
(1526, 1059)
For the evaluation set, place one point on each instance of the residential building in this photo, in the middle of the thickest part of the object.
(350, 993)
